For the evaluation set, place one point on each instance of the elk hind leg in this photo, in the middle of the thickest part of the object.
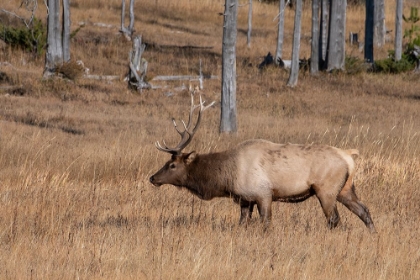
(349, 199)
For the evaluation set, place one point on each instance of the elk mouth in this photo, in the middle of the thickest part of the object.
(156, 184)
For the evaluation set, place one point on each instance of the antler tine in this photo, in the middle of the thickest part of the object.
(163, 149)
(187, 127)
(188, 133)
(176, 126)
(202, 108)
(193, 107)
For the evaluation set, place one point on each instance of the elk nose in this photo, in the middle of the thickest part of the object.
(153, 181)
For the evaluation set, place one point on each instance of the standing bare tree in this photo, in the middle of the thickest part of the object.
(324, 33)
(127, 31)
(379, 22)
(315, 38)
(323, 36)
(248, 38)
(58, 36)
(293, 78)
(137, 66)
(66, 30)
(337, 31)
(280, 32)
(369, 30)
(228, 100)
(398, 30)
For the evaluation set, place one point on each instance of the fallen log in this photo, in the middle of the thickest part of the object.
(102, 77)
(183, 78)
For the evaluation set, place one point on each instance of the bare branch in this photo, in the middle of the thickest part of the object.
(31, 6)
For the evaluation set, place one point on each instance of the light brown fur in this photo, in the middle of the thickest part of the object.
(259, 172)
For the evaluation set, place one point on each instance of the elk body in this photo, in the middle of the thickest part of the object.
(258, 172)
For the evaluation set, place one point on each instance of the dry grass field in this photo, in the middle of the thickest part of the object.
(75, 157)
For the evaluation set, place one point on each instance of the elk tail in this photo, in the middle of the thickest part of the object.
(353, 153)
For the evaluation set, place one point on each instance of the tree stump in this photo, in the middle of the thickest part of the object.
(137, 66)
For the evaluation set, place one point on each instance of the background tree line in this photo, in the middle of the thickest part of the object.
(328, 40)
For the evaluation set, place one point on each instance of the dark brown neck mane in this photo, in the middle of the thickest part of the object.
(211, 175)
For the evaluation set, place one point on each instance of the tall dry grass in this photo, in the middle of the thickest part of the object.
(75, 158)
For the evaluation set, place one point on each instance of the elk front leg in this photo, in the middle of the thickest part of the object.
(246, 211)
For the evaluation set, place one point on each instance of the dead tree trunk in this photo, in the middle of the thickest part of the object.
(398, 30)
(137, 66)
(248, 38)
(66, 30)
(323, 36)
(58, 37)
(315, 38)
(228, 99)
(369, 30)
(337, 31)
(379, 22)
(280, 33)
(127, 31)
(294, 72)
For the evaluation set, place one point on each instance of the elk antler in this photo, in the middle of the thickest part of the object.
(188, 132)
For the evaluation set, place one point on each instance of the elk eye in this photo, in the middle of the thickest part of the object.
(172, 166)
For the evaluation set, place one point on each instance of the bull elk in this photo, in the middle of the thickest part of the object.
(260, 172)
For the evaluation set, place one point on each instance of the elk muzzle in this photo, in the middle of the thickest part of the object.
(153, 181)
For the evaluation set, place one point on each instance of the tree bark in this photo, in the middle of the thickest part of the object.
(379, 21)
(248, 38)
(137, 66)
(315, 38)
(66, 30)
(294, 72)
(58, 37)
(127, 31)
(323, 40)
(54, 47)
(228, 99)
(398, 30)
(280, 33)
(131, 26)
(337, 40)
(369, 30)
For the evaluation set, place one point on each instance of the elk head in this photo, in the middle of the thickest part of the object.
(175, 170)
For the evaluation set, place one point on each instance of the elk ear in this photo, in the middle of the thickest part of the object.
(188, 158)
